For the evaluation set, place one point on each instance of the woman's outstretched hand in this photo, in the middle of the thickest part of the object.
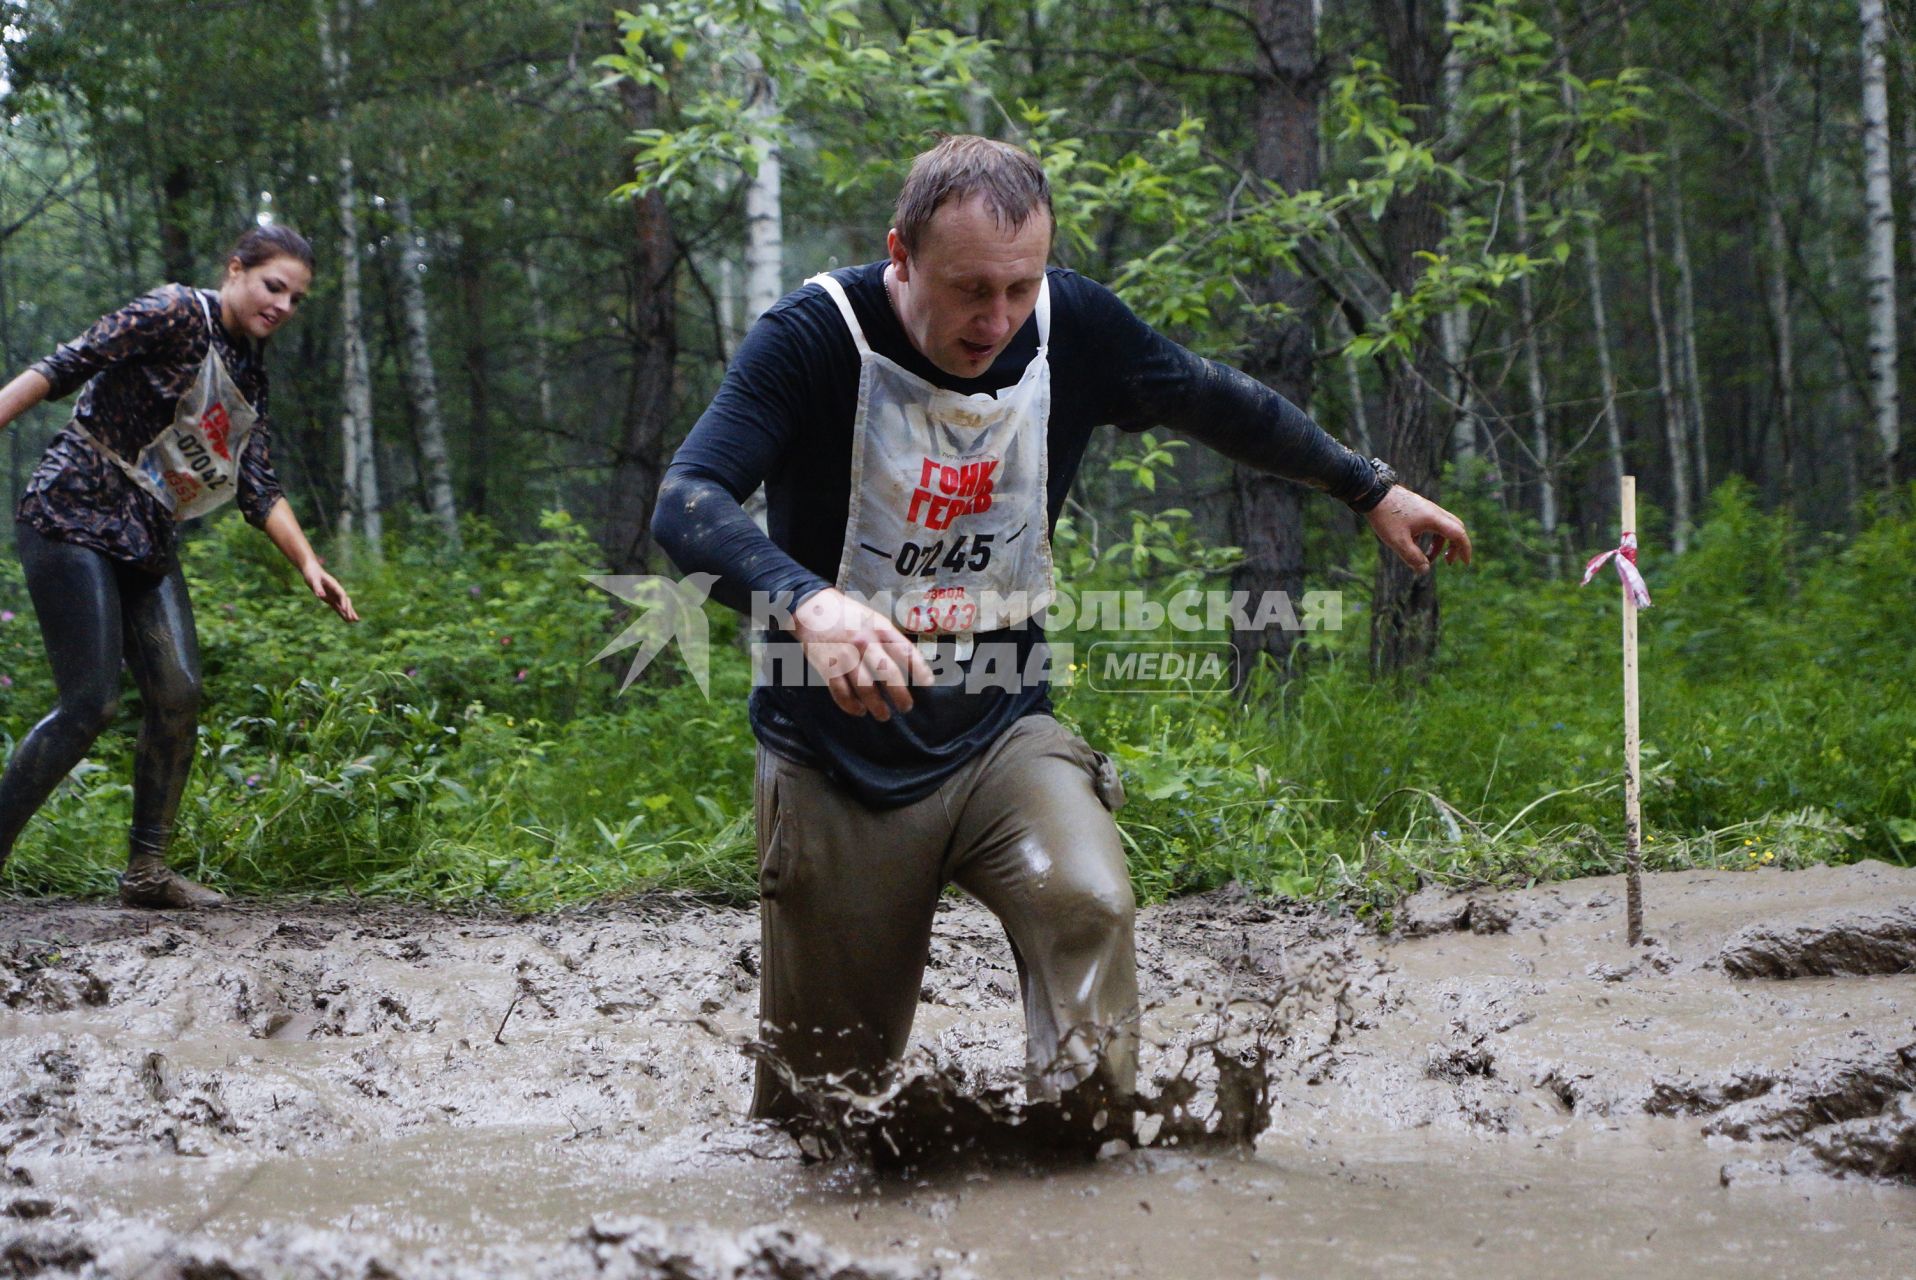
(282, 526)
(327, 588)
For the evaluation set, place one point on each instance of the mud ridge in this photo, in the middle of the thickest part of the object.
(1437, 910)
(1844, 1117)
(1831, 943)
(1827, 1091)
(1878, 1146)
(61, 1241)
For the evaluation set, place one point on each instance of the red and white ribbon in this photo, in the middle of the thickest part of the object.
(1626, 555)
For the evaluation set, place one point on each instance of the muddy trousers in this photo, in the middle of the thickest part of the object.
(94, 612)
(847, 894)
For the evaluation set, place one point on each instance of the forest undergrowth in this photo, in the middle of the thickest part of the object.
(462, 746)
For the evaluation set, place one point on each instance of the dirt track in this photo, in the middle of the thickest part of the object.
(351, 1090)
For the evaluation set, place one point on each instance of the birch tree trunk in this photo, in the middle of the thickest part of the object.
(542, 379)
(1880, 258)
(764, 209)
(421, 381)
(1527, 335)
(6, 362)
(1267, 515)
(1673, 433)
(1686, 326)
(1675, 438)
(476, 360)
(360, 516)
(1606, 365)
(764, 218)
(1776, 253)
(729, 326)
(1608, 409)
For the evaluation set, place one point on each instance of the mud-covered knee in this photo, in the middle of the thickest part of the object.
(176, 701)
(90, 713)
(1087, 911)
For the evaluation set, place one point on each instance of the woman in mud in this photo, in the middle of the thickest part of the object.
(171, 425)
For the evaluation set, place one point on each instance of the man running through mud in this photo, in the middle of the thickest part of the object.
(917, 423)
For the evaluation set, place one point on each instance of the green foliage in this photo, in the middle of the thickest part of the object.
(1778, 730)
(749, 76)
(458, 744)
(461, 743)
(422, 754)
(1205, 227)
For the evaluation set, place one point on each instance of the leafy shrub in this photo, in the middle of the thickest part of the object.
(461, 743)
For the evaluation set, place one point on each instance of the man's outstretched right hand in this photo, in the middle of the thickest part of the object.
(866, 661)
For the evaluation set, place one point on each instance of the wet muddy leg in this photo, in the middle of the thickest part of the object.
(162, 648)
(76, 597)
(846, 897)
(1036, 844)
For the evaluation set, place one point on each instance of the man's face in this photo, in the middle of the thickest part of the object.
(970, 285)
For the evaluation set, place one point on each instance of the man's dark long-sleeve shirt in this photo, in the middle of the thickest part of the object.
(784, 416)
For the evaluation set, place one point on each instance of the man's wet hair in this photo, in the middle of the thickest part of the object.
(963, 165)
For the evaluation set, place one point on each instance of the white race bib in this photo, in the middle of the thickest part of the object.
(192, 467)
(948, 516)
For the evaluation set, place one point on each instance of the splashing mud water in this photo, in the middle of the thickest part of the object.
(357, 1090)
(1215, 1095)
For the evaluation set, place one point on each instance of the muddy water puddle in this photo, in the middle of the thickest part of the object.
(1592, 1205)
(1510, 1092)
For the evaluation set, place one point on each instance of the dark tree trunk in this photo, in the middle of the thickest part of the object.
(478, 365)
(176, 245)
(638, 455)
(396, 338)
(1267, 517)
(14, 459)
(1404, 616)
(1403, 632)
(303, 443)
(115, 202)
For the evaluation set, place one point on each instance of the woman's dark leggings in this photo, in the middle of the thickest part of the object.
(94, 611)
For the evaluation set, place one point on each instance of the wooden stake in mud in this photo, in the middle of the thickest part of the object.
(1635, 596)
(1632, 740)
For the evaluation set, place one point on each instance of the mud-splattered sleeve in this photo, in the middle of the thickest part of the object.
(150, 324)
(1163, 384)
(754, 418)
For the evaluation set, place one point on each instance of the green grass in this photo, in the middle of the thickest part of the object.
(1779, 728)
(460, 745)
